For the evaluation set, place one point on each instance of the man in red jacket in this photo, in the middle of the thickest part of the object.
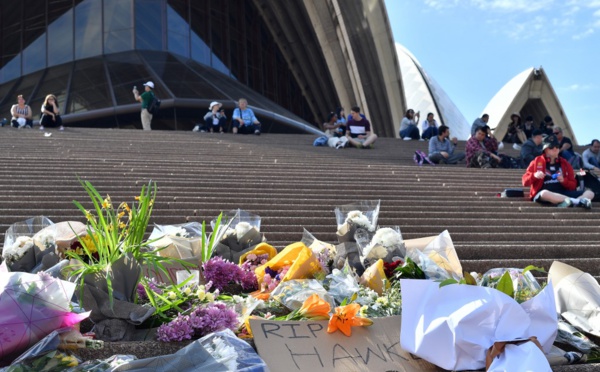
(552, 180)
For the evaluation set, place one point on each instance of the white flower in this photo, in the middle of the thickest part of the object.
(18, 249)
(187, 291)
(47, 239)
(386, 237)
(171, 295)
(241, 229)
(359, 219)
(223, 353)
(180, 232)
(382, 300)
(237, 299)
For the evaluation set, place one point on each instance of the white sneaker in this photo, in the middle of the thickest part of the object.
(407, 138)
(196, 128)
(500, 145)
(421, 140)
(516, 147)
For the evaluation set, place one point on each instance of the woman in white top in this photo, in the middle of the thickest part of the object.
(22, 116)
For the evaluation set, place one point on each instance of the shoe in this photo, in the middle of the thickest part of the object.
(339, 146)
(196, 128)
(257, 132)
(418, 159)
(566, 203)
(421, 140)
(516, 147)
(61, 128)
(500, 145)
(585, 203)
(41, 127)
(407, 138)
(202, 131)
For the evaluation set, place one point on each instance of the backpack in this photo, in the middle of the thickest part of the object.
(482, 160)
(154, 106)
(508, 162)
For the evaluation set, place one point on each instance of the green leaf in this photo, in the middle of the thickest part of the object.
(535, 268)
(505, 285)
(448, 282)
(469, 278)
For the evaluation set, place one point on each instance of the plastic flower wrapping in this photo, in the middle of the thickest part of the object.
(363, 214)
(386, 243)
(23, 250)
(31, 307)
(524, 285)
(239, 233)
(177, 241)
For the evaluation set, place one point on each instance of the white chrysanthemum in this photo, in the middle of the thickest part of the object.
(180, 232)
(47, 239)
(359, 219)
(241, 229)
(223, 353)
(21, 245)
(385, 237)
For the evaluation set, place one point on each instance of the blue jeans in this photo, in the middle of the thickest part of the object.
(412, 132)
(429, 132)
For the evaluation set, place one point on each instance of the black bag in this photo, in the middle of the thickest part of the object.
(482, 160)
(512, 193)
(154, 106)
(508, 162)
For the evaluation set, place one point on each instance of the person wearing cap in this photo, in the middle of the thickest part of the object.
(145, 99)
(215, 118)
(532, 148)
(591, 157)
(528, 127)
(514, 133)
(244, 120)
(551, 179)
(547, 125)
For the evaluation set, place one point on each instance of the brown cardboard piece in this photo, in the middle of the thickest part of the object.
(306, 346)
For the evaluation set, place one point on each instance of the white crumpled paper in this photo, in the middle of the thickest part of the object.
(577, 297)
(453, 326)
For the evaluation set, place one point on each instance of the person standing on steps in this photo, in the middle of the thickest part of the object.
(145, 98)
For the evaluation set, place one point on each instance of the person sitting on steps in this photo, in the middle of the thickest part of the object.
(551, 179)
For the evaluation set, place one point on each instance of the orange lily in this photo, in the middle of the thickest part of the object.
(315, 308)
(345, 317)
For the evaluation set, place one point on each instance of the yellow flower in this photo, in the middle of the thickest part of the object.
(122, 225)
(201, 294)
(210, 297)
(345, 318)
(315, 308)
(106, 204)
(120, 214)
(125, 206)
(382, 300)
(171, 295)
(137, 198)
(70, 361)
(89, 216)
(88, 241)
(363, 310)
(187, 291)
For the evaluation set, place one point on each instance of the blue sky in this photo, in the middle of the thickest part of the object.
(473, 47)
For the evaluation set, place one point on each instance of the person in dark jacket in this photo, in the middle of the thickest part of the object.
(532, 148)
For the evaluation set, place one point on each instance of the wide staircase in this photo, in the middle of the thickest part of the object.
(293, 186)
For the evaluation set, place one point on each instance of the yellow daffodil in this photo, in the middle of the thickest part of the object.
(88, 241)
(345, 318)
(70, 361)
(315, 308)
(120, 214)
(122, 225)
(125, 207)
(107, 204)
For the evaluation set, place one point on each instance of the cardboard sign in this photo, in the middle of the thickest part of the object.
(306, 346)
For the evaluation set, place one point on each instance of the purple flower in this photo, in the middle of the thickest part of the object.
(203, 320)
(178, 329)
(220, 273)
(270, 271)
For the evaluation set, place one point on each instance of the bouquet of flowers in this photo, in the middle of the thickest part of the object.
(325, 252)
(516, 283)
(31, 307)
(177, 241)
(350, 219)
(240, 234)
(21, 251)
(386, 243)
